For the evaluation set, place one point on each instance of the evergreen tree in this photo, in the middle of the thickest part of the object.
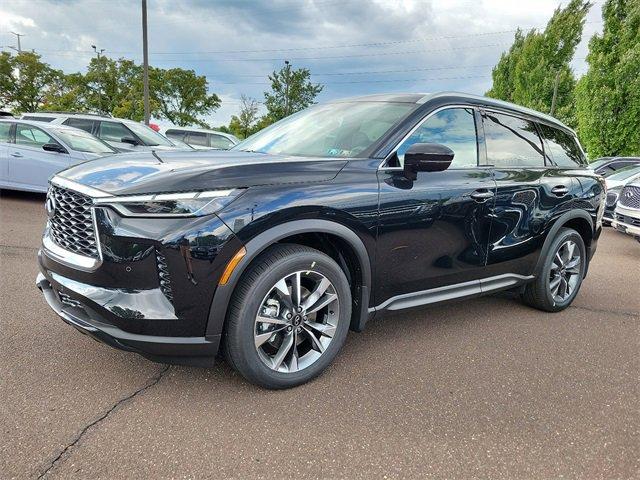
(538, 64)
(608, 96)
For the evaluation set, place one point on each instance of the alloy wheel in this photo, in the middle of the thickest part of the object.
(296, 321)
(564, 276)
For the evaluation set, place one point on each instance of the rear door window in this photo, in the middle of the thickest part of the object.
(81, 123)
(512, 141)
(563, 150)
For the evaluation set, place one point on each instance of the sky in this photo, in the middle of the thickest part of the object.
(353, 47)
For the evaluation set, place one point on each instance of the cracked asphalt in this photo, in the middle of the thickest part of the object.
(476, 389)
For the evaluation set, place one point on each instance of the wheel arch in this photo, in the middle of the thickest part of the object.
(349, 248)
(578, 220)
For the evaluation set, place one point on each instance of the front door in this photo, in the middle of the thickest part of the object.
(29, 165)
(434, 231)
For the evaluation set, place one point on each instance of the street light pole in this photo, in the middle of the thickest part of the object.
(18, 35)
(98, 53)
(145, 60)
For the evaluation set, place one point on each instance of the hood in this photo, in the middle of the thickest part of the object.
(181, 171)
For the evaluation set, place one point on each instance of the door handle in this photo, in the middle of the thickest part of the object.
(560, 190)
(16, 154)
(482, 195)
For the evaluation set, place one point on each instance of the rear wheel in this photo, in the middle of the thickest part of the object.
(288, 317)
(560, 276)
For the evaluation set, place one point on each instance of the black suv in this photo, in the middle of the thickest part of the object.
(272, 251)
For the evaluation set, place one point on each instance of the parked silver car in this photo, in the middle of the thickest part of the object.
(201, 138)
(123, 134)
(32, 152)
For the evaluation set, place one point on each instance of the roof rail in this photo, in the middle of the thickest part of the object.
(75, 113)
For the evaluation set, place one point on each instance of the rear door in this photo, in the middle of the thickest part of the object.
(433, 231)
(29, 165)
(529, 189)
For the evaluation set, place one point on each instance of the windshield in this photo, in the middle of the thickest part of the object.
(148, 136)
(82, 141)
(625, 173)
(331, 130)
(598, 163)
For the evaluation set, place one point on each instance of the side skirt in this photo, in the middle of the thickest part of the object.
(474, 288)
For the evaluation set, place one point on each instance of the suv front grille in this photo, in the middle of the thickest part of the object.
(630, 197)
(71, 225)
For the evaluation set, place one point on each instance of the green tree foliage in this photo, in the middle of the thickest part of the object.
(182, 96)
(245, 123)
(527, 73)
(25, 81)
(291, 91)
(608, 96)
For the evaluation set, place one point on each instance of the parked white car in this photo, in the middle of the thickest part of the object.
(627, 214)
(32, 152)
(122, 134)
(201, 138)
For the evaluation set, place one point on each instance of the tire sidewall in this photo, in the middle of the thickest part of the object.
(563, 236)
(252, 365)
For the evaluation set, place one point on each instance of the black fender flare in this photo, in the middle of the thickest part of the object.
(255, 246)
(557, 225)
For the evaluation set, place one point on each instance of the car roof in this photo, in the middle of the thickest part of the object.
(36, 123)
(198, 129)
(86, 116)
(421, 98)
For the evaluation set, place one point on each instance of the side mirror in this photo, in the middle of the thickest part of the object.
(129, 140)
(54, 147)
(426, 157)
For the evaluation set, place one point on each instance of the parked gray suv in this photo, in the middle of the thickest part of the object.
(125, 135)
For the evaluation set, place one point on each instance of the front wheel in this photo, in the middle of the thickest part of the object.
(560, 275)
(289, 316)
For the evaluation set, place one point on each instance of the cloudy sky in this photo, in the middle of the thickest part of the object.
(353, 47)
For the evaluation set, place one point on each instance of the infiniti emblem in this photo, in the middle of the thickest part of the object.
(50, 205)
(628, 194)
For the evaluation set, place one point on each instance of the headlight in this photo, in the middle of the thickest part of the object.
(191, 204)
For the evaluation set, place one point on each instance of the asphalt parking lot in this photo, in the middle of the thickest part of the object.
(482, 388)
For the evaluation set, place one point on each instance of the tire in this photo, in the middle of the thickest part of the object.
(540, 293)
(264, 363)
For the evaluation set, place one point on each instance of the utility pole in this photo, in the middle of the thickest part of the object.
(555, 92)
(145, 60)
(287, 68)
(98, 53)
(18, 35)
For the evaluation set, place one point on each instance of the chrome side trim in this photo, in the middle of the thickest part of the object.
(452, 292)
(80, 188)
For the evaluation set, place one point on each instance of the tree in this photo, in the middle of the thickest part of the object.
(608, 95)
(25, 81)
(537, 65)
(244, 124)
(182, 96)
(291, 91)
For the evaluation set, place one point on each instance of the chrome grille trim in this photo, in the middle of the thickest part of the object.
(630, 197)
(163, 276)
(72, 225)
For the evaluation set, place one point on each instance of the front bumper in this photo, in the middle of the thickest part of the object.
(627, 221)
(77, 304)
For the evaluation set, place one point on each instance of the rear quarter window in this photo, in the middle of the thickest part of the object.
(5, 129)
(563, 149)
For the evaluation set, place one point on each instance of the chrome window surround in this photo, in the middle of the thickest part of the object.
(487, 108)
